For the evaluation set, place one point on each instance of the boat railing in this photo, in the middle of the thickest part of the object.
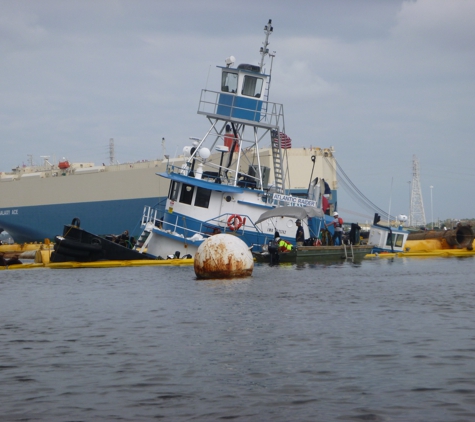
(224, 223)
(223, 175)
(271, 115)
(150, 216)
(215, 225)
(186, 170)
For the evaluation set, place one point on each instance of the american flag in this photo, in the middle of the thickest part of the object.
(285, 141)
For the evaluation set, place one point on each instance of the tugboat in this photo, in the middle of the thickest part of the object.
(387, 239)
(207, 197)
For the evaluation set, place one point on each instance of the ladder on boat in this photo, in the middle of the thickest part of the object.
(351, 255)
(143, 241)
(277, 161)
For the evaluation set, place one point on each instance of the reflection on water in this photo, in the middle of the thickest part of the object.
(379, 341)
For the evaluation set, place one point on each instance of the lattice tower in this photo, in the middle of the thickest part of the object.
(111, 151)
(417, 216)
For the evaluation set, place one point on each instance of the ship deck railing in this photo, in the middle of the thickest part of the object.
(270, 116)
(216, 225)
(223, 175)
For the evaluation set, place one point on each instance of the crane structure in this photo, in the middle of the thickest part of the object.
(417, 216)
(111, 151)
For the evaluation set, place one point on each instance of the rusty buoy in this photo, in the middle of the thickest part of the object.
(223, 256)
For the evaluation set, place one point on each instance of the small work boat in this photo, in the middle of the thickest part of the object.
(354, 253)
(78, 245)
(312, 250)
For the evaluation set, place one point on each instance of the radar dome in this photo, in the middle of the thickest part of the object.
(205, 153)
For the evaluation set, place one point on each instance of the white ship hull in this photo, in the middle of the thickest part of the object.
(110, 199)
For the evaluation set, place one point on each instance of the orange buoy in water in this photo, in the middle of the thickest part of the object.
(223, 256)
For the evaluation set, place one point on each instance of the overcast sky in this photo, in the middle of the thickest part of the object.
(379, 80)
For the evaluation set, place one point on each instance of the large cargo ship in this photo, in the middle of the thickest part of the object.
(36, 201)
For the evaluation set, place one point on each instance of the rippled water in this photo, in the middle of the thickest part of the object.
(381, 341)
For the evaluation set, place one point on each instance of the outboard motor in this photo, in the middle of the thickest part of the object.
(273, 250)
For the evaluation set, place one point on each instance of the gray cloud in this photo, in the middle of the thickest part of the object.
(380, 81)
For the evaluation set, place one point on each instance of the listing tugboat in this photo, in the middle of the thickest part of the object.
(208, 197)
(78, 245)
(387, 239)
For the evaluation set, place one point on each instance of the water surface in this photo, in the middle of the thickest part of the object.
(387, 340)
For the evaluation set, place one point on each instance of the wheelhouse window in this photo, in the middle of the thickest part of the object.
(399, 240)
(252, 86)
(202, 197)
(395, 239)
(173, 191)
(389, 240)
(229, 82)
(186, 194)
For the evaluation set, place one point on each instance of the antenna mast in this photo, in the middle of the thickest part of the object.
(268, 29)
(417, 216)
(264, 50)
(163, 148)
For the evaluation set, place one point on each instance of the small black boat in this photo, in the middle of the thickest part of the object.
(78, 245)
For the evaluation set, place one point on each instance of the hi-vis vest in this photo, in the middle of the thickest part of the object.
(284, 246)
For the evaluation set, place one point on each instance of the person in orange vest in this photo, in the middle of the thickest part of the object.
(338, 226)
(282, 244)
(229, 138)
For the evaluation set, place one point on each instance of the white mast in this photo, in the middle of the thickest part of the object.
(264, 50)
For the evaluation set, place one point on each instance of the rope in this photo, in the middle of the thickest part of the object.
(351, 188)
